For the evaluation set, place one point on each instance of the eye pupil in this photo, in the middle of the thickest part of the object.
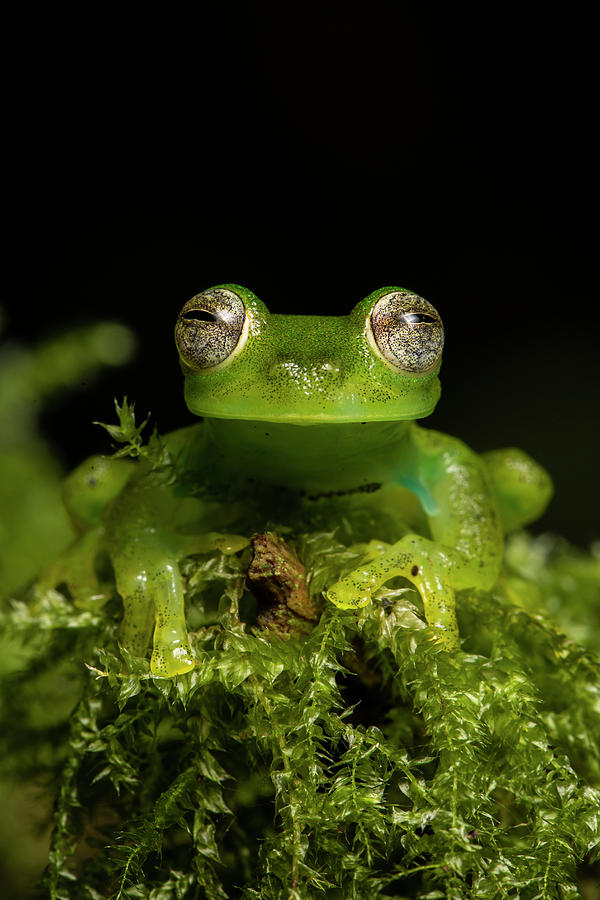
(199, 315)
(416, 318)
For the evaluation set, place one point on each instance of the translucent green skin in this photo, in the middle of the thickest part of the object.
(309, 406)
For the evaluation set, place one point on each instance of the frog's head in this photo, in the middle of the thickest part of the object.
(379, 363)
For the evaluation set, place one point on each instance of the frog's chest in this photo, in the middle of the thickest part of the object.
(150, 516)
(358, 514)
(385, 513)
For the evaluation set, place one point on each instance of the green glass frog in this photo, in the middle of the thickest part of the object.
(300, 410)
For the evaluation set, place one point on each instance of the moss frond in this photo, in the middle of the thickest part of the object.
(356, 761)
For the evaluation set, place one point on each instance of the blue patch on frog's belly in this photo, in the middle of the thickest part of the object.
(418, 488)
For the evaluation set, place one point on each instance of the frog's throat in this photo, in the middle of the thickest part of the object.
(326, 457)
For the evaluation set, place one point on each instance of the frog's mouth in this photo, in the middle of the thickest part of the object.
(312, 419)
(295, 409)
(303, 402)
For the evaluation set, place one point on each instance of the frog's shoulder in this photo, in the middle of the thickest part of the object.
(185, 446)
(435, 443)
(181, 439)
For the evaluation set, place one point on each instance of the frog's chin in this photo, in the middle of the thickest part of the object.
(332, 418)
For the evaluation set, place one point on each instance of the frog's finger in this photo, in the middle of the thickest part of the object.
(138, 608)
(211, 540)
(352, 592)
(370, 550)
(229, 543)
(171, 653)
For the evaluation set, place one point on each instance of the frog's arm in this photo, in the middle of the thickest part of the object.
(149, 582)
(465, 548)
(145, 549)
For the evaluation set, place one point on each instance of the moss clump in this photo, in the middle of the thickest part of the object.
(356, 760)
(360, 761)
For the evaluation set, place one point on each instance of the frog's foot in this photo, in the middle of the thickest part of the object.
(153, 596)
(75, 568)
(418, 560)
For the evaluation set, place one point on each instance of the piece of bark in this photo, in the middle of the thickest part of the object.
(279, 582)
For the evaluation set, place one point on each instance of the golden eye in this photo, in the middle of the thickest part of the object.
(407, 331)
(211, 328)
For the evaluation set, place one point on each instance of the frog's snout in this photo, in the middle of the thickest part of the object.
(305, 376)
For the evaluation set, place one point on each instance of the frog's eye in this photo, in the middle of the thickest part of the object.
(407, 331)
(211, 329)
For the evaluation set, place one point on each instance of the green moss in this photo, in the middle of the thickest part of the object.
(359, 761)
(34, 527)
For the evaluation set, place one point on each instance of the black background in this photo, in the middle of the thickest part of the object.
(315, 152)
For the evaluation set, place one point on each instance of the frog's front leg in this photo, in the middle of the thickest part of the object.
(465, 548)
(149, 582)
(419, 560)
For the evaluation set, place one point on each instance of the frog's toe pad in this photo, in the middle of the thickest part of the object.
(345, 595)
(445, 638)
(230, 543)
(168, 661)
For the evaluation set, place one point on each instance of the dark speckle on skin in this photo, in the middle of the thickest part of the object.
(361, 489)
